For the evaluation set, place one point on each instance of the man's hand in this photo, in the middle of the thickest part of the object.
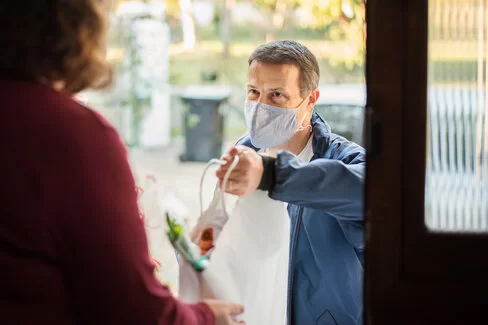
(246, 176)
(224, 312)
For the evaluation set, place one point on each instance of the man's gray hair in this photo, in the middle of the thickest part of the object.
(291, 52)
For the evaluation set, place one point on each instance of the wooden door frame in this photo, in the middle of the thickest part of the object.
(406, 265)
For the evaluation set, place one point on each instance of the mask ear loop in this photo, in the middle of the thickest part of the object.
(301, 127)
(224, 182)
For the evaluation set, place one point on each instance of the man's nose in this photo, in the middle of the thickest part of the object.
(263, 100)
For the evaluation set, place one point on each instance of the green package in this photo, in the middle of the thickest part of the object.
(178, 240)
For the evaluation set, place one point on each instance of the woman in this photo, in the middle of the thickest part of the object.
(72, 246)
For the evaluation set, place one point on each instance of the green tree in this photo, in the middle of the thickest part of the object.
(183, 10)
(277, 11)
(344, 21)
(225, 22)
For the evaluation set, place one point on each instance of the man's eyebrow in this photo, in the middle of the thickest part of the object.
(278, 89)
(271, 89)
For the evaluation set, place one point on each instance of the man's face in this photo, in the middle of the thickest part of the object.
(277, 85)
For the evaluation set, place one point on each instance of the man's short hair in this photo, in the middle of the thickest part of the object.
(291, 52)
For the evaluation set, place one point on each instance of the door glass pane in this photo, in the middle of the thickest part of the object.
(456, 193)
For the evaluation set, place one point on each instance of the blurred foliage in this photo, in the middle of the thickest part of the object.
(187, 67)
(138, 98)
(330, 20)
(173, 8)
(276, 9)
(343, 20)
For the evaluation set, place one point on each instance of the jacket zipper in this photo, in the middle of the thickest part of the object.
(292, 263)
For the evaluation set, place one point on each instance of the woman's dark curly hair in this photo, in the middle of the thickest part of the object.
(53, 41)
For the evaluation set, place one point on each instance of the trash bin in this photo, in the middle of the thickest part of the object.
(203, 122)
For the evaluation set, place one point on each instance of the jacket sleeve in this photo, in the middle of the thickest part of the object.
(334, 184)
(101, 238)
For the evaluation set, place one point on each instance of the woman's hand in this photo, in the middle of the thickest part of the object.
(224, 312)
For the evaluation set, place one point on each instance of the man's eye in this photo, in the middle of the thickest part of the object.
(277, 94)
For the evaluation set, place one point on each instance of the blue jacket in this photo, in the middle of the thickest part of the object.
(325, 199)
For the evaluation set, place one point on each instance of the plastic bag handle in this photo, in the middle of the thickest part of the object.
(224, 182)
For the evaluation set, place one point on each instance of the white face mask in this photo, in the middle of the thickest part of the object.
(270, 126)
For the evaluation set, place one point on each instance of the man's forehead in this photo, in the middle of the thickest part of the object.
(273, 75)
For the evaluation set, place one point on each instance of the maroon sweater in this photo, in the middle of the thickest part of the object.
(73, 249)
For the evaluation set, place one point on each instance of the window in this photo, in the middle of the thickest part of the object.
(456, 193)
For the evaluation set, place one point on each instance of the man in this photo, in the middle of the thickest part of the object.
(319, 174)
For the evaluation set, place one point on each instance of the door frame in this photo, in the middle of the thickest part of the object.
(407, 266)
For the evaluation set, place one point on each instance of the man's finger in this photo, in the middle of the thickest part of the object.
(234, 191)
(235, 173)
(241, 165)
(234, 151)
(239, 168)
(242, 148)
(227, 160)
(220, 174)
(234, 183)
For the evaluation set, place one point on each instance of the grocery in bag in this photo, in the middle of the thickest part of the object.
(241, 257)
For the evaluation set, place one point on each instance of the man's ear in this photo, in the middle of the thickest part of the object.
(313, 98)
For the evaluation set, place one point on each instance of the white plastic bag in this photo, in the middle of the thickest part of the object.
(153, 203)
(249, 263)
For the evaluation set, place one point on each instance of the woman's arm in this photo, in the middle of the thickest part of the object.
(90, 193)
